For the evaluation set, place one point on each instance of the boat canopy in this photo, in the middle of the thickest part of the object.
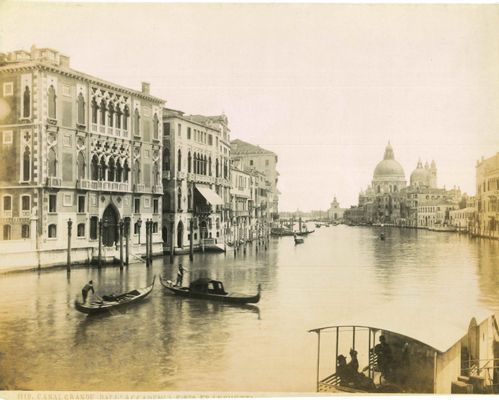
(432, 327)
(211, 197)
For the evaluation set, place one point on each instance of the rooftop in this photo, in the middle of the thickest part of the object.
(239, 147)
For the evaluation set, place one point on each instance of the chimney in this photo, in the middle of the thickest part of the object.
(146, 88)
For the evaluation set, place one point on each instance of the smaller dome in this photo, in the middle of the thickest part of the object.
(420, 176)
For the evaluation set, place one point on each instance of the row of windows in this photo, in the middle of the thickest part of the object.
(199, 164)
(25, 201)
(7, 232)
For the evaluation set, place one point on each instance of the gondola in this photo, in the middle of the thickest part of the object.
(114, 301)
(298, 240)
(209, 289)
(304, 233)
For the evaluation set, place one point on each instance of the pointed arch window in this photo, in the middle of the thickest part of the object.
(102, 169)
(95, 109)
(26, 164)
(111, 170)
(7, 232)
(118, 117)
(189, 199)
(119, 171)
(52, 102)
(26, 102)
(126, 114)
(189, 161)
(136, 122)
(179, 199)
(81, 109)
(81, 166)
(52, 162)
(209, 166)
(179, 165)
(216, 168)
(103, 112)
(94, 169)
(110, 114)
(126, 170)
(155, 126)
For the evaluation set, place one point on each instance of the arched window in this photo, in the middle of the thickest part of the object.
(103, 112)
(111, 170)
(81, 165)
(118, 117)
(95, 107)
(136, 172)
(205, 162)
(126, 169)
(26, 102)
(81, 109)
(94, 223)
(179, 199)
(166, 159)
(25, 231)
(126, 114)
(216, 168)
(119, 171)
(52, 231)
(102, 169)
(7, 232)
(52, 162)
(136, 123)
(52, 105)
(94, 169)
(179, 165)
(189, 199)
(26, 164)
(155, 126)
(209, 165)
(189, 161)
(80, 230)
(110, 114)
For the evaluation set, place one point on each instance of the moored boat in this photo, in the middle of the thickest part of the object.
(109, 302)
(209, 289)
(298, 240)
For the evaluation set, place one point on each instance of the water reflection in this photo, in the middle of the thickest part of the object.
(170, 343)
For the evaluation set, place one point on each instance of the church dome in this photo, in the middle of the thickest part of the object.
(389, 167)
(420, 175)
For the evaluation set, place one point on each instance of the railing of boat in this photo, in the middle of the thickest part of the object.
(488, 369)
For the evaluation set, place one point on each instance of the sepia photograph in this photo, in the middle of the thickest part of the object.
(248, 199)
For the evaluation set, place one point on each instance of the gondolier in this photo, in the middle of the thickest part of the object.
(84, 292)
(180, 274)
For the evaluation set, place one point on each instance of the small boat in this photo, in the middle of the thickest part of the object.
(109, 302)
(209, 289)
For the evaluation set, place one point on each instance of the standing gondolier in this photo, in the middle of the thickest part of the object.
(180, 275)
(84, 292)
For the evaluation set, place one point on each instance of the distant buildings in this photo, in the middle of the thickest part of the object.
(335, 212)
(388, 200)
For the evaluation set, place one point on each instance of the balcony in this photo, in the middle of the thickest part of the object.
(157, 189)
(139, 188)
(200, 210)
(181, 175)
(96, 185)
(191, 177)
(83, 184)
(166, 175)
(52, 181)
(25, 213)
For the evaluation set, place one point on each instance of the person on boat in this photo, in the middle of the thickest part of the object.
(354, 362)
(180, 275)
(87, 288)
(384, 353)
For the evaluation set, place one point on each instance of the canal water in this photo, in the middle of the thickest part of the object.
(172, 344)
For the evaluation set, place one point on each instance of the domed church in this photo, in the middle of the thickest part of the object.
(389, 176)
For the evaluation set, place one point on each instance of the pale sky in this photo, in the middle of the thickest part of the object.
(324, 86)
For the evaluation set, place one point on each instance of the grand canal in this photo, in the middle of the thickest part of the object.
(171, 344)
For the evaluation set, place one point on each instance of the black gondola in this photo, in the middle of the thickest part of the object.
(209, 289)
